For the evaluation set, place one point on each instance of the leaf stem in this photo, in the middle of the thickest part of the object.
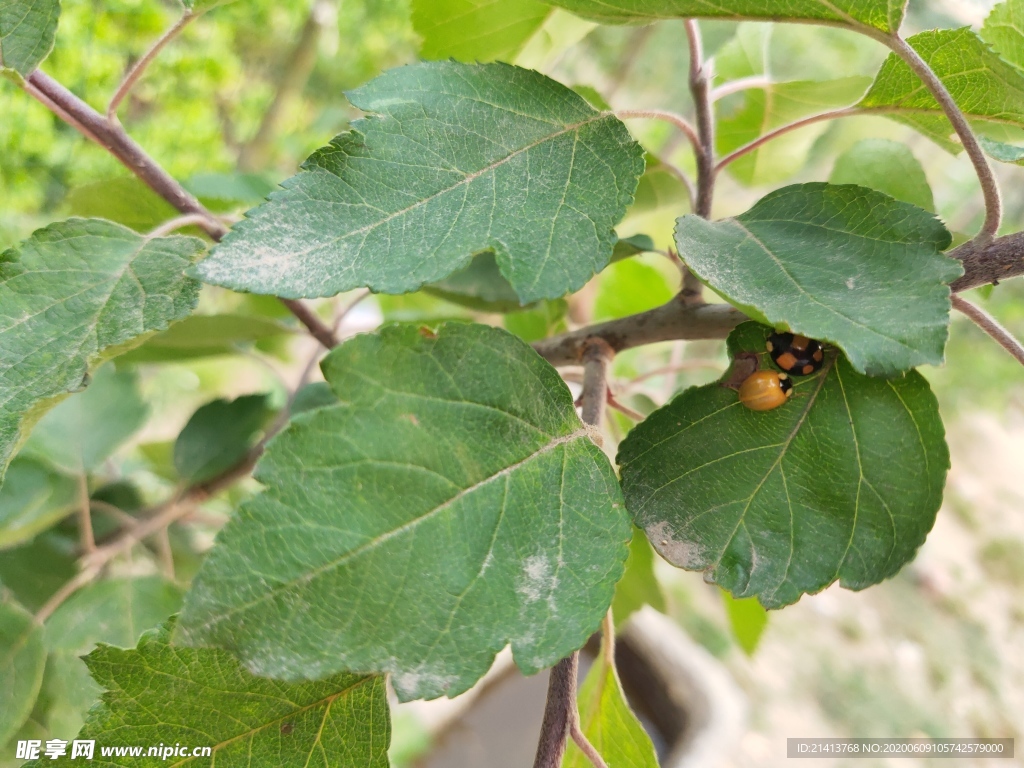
(740, 84)
(989, 186)
(179, 222)
(112, 137)
(137, 71)
(674, 118)
(992, 327)
(760, 141)
(85, 534)
(700, 88)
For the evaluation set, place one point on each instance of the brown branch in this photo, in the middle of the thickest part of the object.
(674, 320)
(1001, 259)
(700, 88)
(596, 356)
(112, 137)
(85, 534)
(992, 327)
(554, 729)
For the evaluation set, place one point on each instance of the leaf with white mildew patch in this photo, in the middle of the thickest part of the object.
(430, 518)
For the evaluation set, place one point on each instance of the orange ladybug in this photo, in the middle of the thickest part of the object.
(765, 390)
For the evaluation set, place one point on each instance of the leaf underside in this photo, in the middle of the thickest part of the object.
(839, 263)
(883, 15)
(842, 482)
(455, 159)
(27, 30)
(451, 504)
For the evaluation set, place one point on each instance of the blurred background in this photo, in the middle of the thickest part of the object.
(236, 103)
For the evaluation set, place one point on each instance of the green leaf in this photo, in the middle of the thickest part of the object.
(1004, 31)
(456, 159)
(633, 286)
(125, 200)
(114, 611)
(476, 30)
(27, 30)
(639, 586)
(73, 294)
(313, 396)
(838, 263)
(842, 482)
(747, 620)
(608, 722)
(1001, 151)
(452, 504)
(545, 319)
(883, 15)
(773, 106)
(886, 166)
(984, 86)
(34, 571)
(222, 192)
(218, 436)
(481, 285)
(159, 694)
(32, 498)
(22, 659)
(86, 428)
(204, 336)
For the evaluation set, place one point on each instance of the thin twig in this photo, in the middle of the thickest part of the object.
(835, 114)
(67, 590)
(700, 88)
(685, 365)
(989, 185)
(992, 327)
(320, 330)
(163, 546)
(625, 410)
(117, 513)
(675, 119)
(136, 72)
(675, 170)
(740, 84)
(179, 222)
(86, 538)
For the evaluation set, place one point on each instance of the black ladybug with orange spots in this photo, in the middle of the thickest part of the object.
(795, 354)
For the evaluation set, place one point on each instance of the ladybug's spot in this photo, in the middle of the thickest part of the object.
(786, 361)
(818, 355)
(800, 343)
(808, 369)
